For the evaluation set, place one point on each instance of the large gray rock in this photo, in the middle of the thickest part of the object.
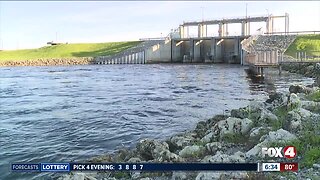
(240, 113)
(294, 101)
(232, 126)
(209, 175)
(151, 149)
(134, 160)
(311, 106)
(182, 141)
(266, 118)
(167, 156)
(78, 176)
(280, 135)
(219, 157)
(179, 175)
(317, 67)
(201, 129)
(208, 138)
(294, 121)
(273, 136)
(213, 147)
(300, 89)
(256, 105)
(297, 117)
(221, 175)
(255, 109)
(192, 151)
(276, 99)
(259, 131)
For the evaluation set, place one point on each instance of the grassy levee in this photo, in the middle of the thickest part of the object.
(67, 51)
(308, 43)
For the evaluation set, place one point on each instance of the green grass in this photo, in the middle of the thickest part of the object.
(307, 145)
(68, 51)
(307, 43)
(315, 96)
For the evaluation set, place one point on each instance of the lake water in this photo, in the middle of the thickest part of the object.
(65, 113)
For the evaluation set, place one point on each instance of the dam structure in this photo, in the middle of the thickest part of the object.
(206, 47)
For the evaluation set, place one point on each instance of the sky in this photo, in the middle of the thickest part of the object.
(32, 24)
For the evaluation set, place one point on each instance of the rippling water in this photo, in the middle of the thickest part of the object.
(65, 113)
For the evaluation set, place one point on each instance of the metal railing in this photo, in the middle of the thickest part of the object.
(264, 58)
(293, 33)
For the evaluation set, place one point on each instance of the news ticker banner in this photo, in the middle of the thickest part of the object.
(67, 167)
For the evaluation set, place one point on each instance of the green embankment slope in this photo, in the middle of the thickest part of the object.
(307, 43)
(68, 51)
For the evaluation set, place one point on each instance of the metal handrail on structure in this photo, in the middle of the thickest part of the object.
(293, 32)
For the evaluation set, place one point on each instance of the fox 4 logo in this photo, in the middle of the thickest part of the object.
(279, 152)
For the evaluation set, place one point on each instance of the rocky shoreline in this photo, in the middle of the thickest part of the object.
(308, 69)
(283, 119)
(50, 62)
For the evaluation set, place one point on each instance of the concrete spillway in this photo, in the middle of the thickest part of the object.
(184, 50)
(178, 47)
(197, 50)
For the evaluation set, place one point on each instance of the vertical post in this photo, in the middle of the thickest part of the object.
(206, 30)
(241, 57)
(243, 29)
(220, 30)
(305, 55)
(287, 23)
(142, 60)
(267, 24)
(272, 23)
(134, 58)
(280, 69)
(181, 30)
(199, 30)
(188, 32)
(226, 30)
(138, 58)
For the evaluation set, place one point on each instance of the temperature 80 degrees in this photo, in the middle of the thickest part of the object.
(288, 167)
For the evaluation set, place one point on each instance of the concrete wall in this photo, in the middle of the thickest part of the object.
(176, 52)
(218, 56)
(159, 53)
(228, 50)
(186, 52)
(196, 51)
(206, 51)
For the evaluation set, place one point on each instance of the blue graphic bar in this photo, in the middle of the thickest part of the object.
(163, 167)
(67, 167)
(54, 167)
